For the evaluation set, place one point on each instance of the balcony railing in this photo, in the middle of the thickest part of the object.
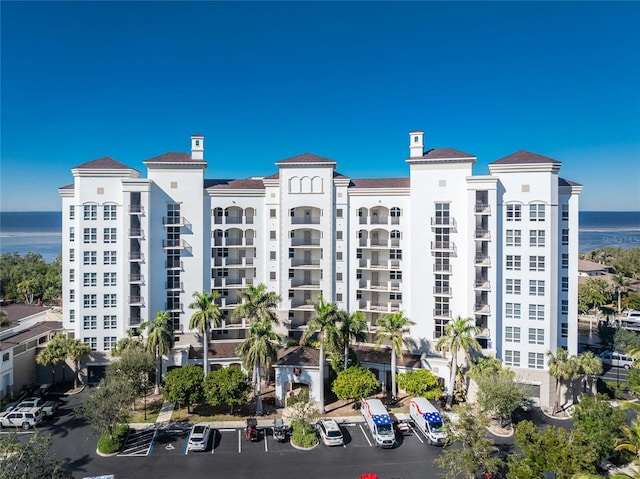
(134, 320)
(440, 313)
(482, 208)
(442, 290)
(135, 300)
(305, 242)
(136, 232)
(482, 284)
(175, 244)
(173, 264)
(443, 246)
(136, 278)
(301, 263)
(136, 209)
(136, 256)
(175, 221)
(173, 285)
(444, 222)
(305, 220)
(482, 260)
(481, 308)
(175, 307)
(482, 234)
(441, 268)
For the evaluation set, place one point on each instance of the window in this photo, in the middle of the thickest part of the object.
(223, 252)
(512, 334)
(92, 342)
(338, 297)
(514, 238)
(109, 212)
(443, 214)
(72, 212)
(565, 260)
(339, 255)
(536, 312)
(272, 213)
(89, 257)
(72, 295)
(396, 296)
(338, 235)
(565, 237)
(72, 255)
(72, 275)
(512, 358)
(109, 342)
(90, 235)
(513, 262)
(90, 212)
(395, 212)
(395, 254)
(72, 315)
(536, 336)
(514, 212)
(442, 306)
(339, 213)
(110, 321)
(536, 212)
(395, 234)
(358, 274)
(272, 234)
(395, 275)
(224, 272)
(110, 300)
(536, 238)
(536, 263)
(110, 279)
(338, 276)
(292, 273)
(109, 257)
(565, 212)
(512, 310)
(272, 275)
(513, 286)
(72, 233)
(536, 287)
(110, 235)
(536, 360)
(89, 322)
(90, 301)
(272, 255)
(564, 308)
(565, 284)
(90, 279)
(564, 330)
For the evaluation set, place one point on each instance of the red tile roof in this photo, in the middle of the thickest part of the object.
(30, 333)
(234, 184)
(104, 163)
(306, 158)
(445, 153)
(171, 158)
(380, 183)
(524, 157)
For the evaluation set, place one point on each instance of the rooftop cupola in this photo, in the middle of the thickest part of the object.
(416, 144)
(197, 147)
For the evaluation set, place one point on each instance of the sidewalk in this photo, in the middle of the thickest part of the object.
(164, 417)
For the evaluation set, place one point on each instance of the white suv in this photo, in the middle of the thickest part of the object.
(21, 417)
(329, 432)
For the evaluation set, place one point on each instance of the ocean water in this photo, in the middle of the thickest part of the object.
(41, 231)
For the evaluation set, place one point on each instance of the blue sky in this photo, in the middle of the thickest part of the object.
(345, 80)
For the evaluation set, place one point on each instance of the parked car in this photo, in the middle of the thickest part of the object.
(21, 417)
(401, 424)
(48, 407)
(199, 437)
(329, 432)
(10, 406)
(617, 358)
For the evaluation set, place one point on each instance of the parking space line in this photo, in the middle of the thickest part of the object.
(415, 433)
(153, 441)
(186, 445)
(266, 441)
(365, 435)
(213, 443)
(239, 441)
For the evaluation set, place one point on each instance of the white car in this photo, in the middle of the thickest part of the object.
(21, 417)
(329, 432)
(199, 437)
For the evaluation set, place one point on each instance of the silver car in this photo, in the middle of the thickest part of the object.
(199, 437)
(329, 432)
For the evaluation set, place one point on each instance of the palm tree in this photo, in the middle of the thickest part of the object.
(393, 327)
(631, 439)
(590, 365)
(159, 340)
(4, 322)
(206, 314)
(323, 323)
(52, 354)
(258, 352)
(558, 369)
(351, 328)
(76, 350)
(620, 285)
(27, 288)
(257, 304)
(459, 335)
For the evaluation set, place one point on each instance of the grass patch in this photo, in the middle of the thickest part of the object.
(111, 446)
(153, 409)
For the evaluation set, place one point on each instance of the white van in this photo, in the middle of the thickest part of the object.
(428, 419)
(379, 422)
(617, 358)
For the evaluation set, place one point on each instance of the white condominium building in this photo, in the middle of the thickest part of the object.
(501, 248)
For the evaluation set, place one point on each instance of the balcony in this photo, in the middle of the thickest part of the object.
(174, 307)
(442, 290)
(305, 264)
(175, 244)
(136, 278)
(482, 234)
(378, 220)
(135, 301)
(442, 268)
(445, 222)
(305, 220)
(441, 313)
(482, 209)
(178, 221)
(229, 282)
(136, 256)
(481, 308)
(482, 260)
(136, 209)
(297, 242)
(482, 284)
(302, 305)
(302, 284)
(135, 320)
(443, 246)
(237, 262)
(232, 241)
(136, 233)
(375, 307)
(173, 264)
(484, 334)
(173, 285)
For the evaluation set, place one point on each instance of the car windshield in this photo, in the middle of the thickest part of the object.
(384, 429)
(435, 426)
(334, 434)
(198, 430)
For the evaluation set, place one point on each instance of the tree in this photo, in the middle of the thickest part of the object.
(355, 383)
(459, 336)
(4, 322)
(207, 313)
(600, 422)
(589, 365)
(554, 450)
(558, 368)
(420, 383)
(485, 366)
(629, 439)
(14, 269)
(350, 328)
(259, 351)
(302, 412)
(107, 405)
(54, 352)
(226, 386)
(30, 458)
(159, 340)
(593, 293)
(392, 327)
(27, 288)
(76, 350)
(128, 343)
(135, 366)
(184, 385)
(475, 451)
(322, 324)
(257, 304)
(500, 395)
(620, 286)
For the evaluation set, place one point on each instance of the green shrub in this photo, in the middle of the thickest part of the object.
(108, 446)
(615, 390)
(303, 435)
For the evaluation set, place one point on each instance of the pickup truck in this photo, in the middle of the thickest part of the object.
(48, 407)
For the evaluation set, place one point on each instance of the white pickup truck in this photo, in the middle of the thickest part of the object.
(48, 407)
